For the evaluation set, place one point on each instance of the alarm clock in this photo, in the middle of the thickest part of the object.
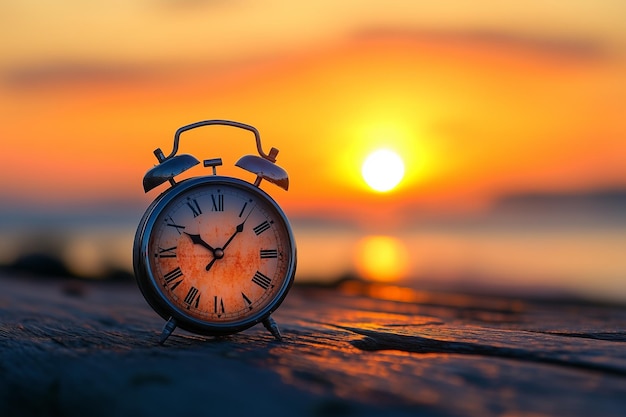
(214, 255)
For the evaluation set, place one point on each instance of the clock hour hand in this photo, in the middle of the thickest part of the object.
(196, 239)
(217, 253)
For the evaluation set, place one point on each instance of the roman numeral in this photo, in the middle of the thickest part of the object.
(243, 208)
(194, 206)
(262, 227)
(166, 253)
(247, 300)
(218, 305)
(218, 202)
(269, 253)
(172, 276)
(261, 280)
(170, 222)
(192, 297)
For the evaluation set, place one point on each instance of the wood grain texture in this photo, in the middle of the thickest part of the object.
(75, 349)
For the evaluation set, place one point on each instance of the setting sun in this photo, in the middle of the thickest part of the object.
(382, 170)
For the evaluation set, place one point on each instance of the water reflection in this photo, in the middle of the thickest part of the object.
(492, 256)
(381, 258)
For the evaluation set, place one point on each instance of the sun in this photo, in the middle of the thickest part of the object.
(383, 170)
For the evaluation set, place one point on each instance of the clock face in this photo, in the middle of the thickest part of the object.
(220, 252)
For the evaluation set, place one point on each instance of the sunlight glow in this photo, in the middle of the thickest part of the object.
(382, 170)
(382, 258)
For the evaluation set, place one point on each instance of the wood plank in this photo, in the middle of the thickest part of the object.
(77, 348)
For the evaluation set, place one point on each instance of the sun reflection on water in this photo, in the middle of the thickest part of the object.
(381, 258)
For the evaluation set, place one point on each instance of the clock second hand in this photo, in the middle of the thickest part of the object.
(208, 267)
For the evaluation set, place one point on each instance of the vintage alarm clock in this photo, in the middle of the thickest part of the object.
(214, 255)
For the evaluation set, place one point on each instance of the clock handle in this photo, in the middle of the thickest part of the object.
(270, 157)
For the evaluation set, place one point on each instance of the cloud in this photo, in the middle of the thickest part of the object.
(76, 72)
(194, 5)
(63, 73)
(576, 48)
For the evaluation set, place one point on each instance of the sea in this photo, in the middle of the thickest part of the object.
(533, 246)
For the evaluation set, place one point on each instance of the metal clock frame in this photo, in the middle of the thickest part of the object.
(170, 166)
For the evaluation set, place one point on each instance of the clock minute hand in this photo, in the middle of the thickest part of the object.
(239, 229)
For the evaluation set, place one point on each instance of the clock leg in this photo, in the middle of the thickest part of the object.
(271, 325)
(167, 330)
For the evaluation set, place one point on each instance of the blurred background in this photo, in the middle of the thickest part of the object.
(507, 118)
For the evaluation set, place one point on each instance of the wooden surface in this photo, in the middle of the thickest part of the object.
(70, 348)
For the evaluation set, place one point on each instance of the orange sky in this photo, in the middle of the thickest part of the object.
(478, 102)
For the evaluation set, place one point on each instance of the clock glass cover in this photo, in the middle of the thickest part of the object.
(218, 255)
